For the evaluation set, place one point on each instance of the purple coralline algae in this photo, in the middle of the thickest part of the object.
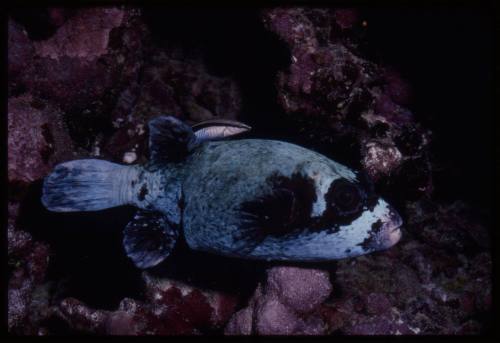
(288, 303)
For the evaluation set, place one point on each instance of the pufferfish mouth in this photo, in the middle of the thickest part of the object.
(394, 221)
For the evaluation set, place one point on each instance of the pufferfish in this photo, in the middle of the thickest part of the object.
(245, 198)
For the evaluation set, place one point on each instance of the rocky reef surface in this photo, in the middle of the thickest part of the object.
(80, 93)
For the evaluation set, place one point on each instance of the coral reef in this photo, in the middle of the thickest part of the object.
(79, 93)
(287, 304)
(172, 84)
(339, 99)
(171, 308)
(416, 288)
(27, 261)
(36, 137)
(79, 73)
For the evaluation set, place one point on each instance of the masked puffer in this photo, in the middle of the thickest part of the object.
(246, 198)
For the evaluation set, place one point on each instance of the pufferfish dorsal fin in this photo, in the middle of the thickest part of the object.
(214, 129)
(149, 238)
(170, 139)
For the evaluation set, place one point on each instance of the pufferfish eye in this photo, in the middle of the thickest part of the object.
(346, 198)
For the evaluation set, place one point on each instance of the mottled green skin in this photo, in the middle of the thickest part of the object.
(220, 176)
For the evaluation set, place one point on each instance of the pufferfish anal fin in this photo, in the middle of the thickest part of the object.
(149, 238)
(170, 139)
(215, 129)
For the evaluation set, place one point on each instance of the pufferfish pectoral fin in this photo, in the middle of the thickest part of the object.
(149, 238)
(273, 214)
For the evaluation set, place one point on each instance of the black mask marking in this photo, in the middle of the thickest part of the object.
(287, 208)
(346, 201)
(371, 241)
(377, 226)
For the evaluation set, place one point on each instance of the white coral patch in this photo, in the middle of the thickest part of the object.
(381, 158)
(129, 157)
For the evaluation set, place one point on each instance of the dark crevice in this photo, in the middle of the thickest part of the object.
(36, 21)
(86, 251)
(448, 62)
(232, 43)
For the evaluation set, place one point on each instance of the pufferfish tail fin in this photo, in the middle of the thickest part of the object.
(85, 185)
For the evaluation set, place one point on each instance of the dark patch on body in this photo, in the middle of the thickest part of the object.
(368, 243)
(143, 192)
(299, 190)
(284, 210)
(377, 226)
(61, 173)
